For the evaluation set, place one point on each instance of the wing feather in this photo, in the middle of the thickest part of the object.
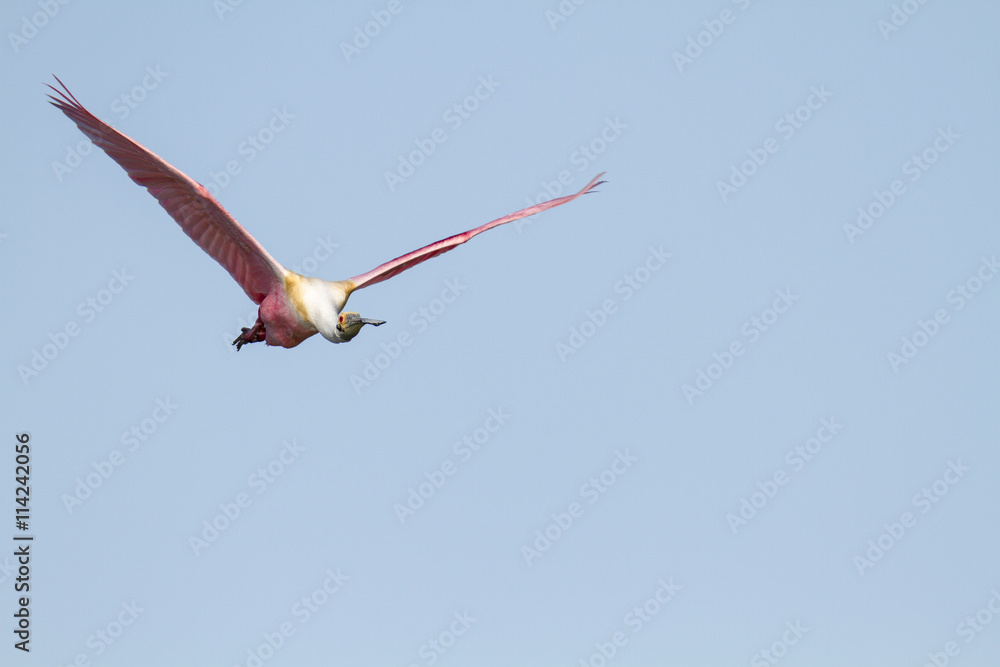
(411, 259)
(198, 213)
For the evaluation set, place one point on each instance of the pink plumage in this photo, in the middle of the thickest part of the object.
(292, 307)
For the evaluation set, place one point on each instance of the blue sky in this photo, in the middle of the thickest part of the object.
(737, 408)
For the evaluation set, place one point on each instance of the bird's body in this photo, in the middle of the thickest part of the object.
(292, 307)
(302, 306)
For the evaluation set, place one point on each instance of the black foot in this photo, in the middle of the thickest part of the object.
(241, 340)
(253, 335)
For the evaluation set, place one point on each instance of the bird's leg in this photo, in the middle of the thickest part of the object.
(254, 334)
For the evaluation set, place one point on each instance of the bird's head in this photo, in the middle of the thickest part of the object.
(349, 324)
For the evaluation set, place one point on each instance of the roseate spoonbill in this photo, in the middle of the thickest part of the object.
(292, 307)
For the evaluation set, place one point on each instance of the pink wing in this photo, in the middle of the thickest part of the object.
(188, 202)
(411, 259)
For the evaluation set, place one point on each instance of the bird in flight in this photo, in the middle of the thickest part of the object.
(292, 307)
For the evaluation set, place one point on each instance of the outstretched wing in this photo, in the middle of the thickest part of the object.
(411, 259)
(188, 202)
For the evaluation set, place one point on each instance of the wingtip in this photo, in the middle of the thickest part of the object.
(66, 96)
(594, 182)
